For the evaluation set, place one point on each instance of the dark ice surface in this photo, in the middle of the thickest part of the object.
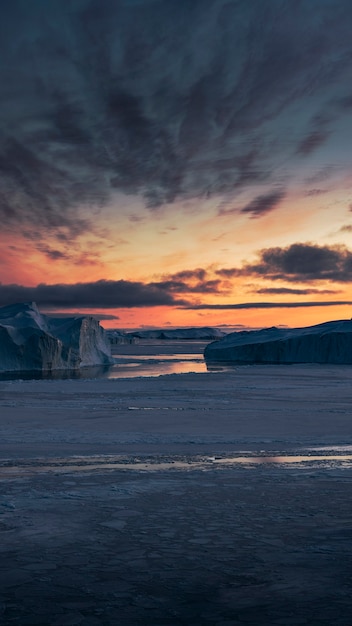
(246, 546)
(219, 498)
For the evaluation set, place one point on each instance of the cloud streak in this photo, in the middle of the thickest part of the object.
(268, 305)
(167, 100)
(298, 292)
(311, 142)
(261, 205)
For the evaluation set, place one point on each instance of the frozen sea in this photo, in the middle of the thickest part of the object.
(215, 498)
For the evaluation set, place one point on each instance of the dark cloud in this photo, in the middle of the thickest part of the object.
(167, 100)
(322, 174)
(191, 281)
(39, 196)
(312, 141)
(298, 292)
(346, 229)
(230, 272)
(198, 274)
(103, 294)
(69, 253)
(306, 262)
(299, 263)
(206, 286)
(97, 316)
(261, 205)
(51, 253)
(317, 133)
(346, 102)
(268, 305)
(316, 192)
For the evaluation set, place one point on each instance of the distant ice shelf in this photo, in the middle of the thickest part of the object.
(198, 333)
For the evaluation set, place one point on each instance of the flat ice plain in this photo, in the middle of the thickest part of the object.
(220, 498)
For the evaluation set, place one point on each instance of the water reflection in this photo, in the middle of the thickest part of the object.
(121, 358)
(156, 368)
(95, 463)
(289, 459)
(126, 367)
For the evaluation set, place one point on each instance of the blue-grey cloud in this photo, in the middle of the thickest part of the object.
(166, 99)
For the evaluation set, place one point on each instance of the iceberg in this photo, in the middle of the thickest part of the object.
(330, 342)
(30, 340)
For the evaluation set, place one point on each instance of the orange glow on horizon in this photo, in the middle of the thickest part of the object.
(248, 318)
(158, 246)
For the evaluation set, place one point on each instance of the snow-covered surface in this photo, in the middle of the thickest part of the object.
(330, 342)
(30, 340)
(201, 333)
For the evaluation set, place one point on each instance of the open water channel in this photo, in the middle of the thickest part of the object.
(147, 358)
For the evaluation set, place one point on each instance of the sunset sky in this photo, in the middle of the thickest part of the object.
(177, 162)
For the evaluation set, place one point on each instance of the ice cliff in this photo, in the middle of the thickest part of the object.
(330, 342)
(32, 341)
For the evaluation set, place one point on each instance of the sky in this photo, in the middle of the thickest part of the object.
(177, 162)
